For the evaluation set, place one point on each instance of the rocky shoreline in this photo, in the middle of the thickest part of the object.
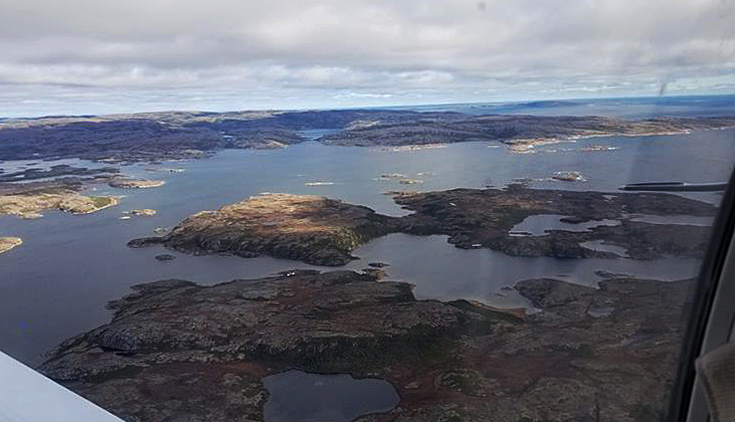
(322, 231)
(176, 349)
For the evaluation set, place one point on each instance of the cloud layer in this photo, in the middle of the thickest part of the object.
(99, 56)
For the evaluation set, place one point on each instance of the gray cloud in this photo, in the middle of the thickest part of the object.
(88, 56)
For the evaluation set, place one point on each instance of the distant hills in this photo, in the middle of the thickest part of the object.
(155, 136)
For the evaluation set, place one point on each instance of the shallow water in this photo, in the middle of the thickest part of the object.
(537, 225)
(297, 396)
(56, 284)
(441, 271)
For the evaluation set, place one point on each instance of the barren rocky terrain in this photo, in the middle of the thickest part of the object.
(321, 231)
(29, 205)
(175, 349)
(175, 135)
(484, 218)
(8, 243)
(312, 229)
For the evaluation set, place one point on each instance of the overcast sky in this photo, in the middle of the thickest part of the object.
(103, 56)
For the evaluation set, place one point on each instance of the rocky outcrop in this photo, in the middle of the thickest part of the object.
(143, 212)
(312, 229)
(8, 243)
(176, 349)
(30, 204)
(125, 183)
(315, 319)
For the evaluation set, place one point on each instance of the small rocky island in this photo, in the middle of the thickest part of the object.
(143, 212)
(28, 200)
(322, 231)
(311, 229)
(8, 243)
(175, 349)
(127, 183)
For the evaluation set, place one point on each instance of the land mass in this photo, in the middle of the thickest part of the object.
(29, 199)
(128, 183)
(29, 205)
(475, 218)
(176, 350)
(312, 229)
(176, 135)
(54, 171)
(322, 231)
(8, 243)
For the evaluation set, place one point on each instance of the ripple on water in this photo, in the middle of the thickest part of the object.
(690, 220)
(297, 396)
(601, 246)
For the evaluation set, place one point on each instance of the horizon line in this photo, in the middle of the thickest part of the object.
(372, 107)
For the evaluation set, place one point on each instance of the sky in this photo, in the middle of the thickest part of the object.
(116, 56)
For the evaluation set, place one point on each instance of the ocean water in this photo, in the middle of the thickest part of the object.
(56, 284)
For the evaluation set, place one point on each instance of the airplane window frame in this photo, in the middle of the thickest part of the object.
(711, 313)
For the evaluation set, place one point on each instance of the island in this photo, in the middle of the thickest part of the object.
(174, 349)
(127, 183)
(27, 201)
(143, 212)
(8, 243)
(311, 229)
(323, 231)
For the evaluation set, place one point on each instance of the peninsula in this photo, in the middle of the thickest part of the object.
(175, 349)
(322, 231)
